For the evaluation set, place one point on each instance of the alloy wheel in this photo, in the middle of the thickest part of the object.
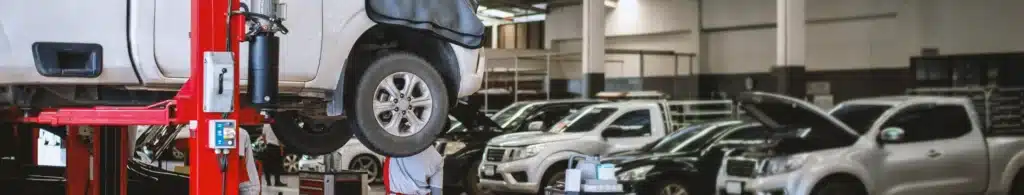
(291, 163)
(368, 164)
(673, 189)
(402, 104)
(555, 180)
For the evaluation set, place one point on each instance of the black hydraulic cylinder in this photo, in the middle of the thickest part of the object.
(264, 53)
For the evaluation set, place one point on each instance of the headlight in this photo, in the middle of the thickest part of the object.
(784, 164)
(635, 174)
(527, 152)
(452, 147)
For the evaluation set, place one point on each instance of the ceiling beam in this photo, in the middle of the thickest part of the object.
(518, 5)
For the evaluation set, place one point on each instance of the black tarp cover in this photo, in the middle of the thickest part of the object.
(452, 20)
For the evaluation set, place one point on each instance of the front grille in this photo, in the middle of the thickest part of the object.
(741, 168)
(494, 155)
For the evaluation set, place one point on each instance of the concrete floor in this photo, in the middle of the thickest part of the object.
(293, 187)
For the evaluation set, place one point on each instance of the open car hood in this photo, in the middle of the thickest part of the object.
(470, 117)
(452, 20)
(778, 111)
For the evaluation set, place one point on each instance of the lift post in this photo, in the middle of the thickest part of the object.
(209, 28)
(209, 33)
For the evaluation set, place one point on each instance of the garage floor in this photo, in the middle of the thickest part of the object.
(293, 188)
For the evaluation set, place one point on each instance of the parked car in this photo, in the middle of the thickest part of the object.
(527, 162)
(143, 177)
(464, 146)
(885, 145)
(685, 162)
(352, 156)
(378, 49)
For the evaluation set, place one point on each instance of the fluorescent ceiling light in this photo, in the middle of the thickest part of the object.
(610, 3)
(497, 13)
(541, 5)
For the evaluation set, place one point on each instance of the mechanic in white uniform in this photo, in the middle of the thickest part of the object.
(419, 174)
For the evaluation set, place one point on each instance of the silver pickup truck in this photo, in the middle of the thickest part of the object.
(886, 145)
(529, 161)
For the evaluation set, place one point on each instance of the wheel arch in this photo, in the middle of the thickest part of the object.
(555, 159)
(381, 38)
(1014, 166)
(840, 176)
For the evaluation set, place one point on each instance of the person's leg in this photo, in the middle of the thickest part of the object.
(279, 164)
(270, 158)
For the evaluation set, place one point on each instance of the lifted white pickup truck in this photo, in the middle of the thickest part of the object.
(529, 161)
(353, 56)
(885, 145)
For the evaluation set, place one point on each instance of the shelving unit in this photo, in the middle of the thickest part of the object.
(687, 112)
(1000, 109)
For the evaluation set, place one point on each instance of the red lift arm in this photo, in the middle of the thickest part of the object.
(208, 33)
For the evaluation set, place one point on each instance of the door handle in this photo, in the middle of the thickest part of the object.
(933, 154)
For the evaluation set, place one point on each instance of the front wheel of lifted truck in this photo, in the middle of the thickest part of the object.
(400, 105)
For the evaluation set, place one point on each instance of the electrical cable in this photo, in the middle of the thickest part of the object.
(227, 32)
(223, 156)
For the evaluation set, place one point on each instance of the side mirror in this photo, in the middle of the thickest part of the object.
(535, 126)
(892, 135)
(612, 131)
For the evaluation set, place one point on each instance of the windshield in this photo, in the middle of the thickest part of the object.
(860, 117)
(689, 138)
(582, 121)
(507, 117)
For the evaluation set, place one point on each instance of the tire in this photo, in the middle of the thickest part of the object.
(670, 187)
(290, 163)
(381, 131)
(367, 163)
(325, 136)
(472, 182)
(1017, 188)
(839, 187)
(553, 175)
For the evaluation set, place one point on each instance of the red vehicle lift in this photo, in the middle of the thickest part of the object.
(110, 124)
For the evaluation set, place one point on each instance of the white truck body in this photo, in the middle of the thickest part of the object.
(145, 44)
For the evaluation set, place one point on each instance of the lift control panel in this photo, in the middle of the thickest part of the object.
(218, 81)
(223, 133)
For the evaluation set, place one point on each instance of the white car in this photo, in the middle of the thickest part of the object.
(353, 156)
(400, 64)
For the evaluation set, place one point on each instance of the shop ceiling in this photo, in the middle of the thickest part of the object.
(515, 11)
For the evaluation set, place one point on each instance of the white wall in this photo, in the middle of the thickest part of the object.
(977, 26)
(664, 25)
(843, 34)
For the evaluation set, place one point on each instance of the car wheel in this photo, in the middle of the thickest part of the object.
(306, 135)
(472, 182)
(671, 187)
(290, 163)
(401, 105)
(1018, 184)
(366, 163)
(553, 177)
(839, 187)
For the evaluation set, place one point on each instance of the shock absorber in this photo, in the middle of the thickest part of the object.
(264, 52)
